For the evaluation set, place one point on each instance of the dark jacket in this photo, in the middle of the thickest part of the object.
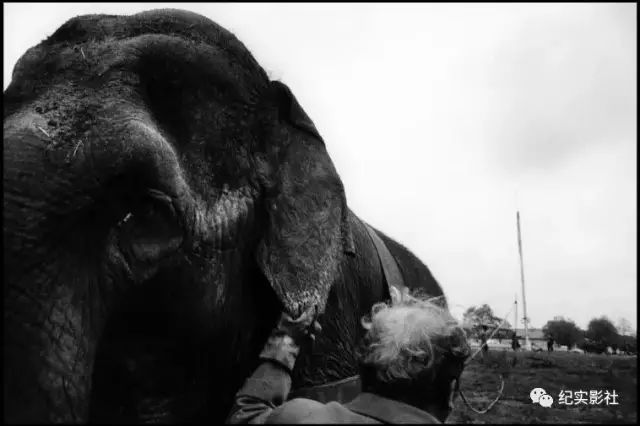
(261, 398)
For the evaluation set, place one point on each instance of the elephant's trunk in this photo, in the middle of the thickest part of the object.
(48, 358)
(47, 339)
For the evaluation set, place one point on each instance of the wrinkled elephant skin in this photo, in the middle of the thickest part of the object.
(163, 202)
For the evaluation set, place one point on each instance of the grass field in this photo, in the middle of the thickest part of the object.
(554, 372)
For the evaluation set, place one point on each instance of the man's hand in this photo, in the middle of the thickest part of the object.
(305, 326)
(270, 384)
(283, 346)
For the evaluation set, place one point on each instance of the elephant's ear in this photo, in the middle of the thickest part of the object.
(307, 233)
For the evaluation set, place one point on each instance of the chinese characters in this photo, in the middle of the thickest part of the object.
(591, 397)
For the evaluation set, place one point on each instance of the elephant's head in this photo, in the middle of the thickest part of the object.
(139, 150)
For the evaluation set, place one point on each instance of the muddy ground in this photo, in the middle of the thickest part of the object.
(554, 372)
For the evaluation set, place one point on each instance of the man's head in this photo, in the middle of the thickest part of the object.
(414, 351)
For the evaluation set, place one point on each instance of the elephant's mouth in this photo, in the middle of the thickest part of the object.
(145, 364)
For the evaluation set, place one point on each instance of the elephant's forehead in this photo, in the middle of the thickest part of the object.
(94, 31)
(171, 22)
(168, 22)
(86, 50)
(94, 65)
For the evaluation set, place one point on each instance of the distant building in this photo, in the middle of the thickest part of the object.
(536, 337)
(502, 338)
(534, 334)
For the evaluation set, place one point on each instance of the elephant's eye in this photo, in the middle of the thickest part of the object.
(151, 226)
(151, 212)
(145, 205)
(150, 209)
(145, 211)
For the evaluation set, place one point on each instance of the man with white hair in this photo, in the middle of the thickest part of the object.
(410, 362)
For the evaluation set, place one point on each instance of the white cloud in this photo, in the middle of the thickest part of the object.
(434, 114)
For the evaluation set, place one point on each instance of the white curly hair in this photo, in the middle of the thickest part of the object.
(411, 345)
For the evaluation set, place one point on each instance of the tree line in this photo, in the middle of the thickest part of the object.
(600, 333)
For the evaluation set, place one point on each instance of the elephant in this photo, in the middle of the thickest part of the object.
(164, 202)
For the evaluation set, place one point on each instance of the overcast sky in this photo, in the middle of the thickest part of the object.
(442, 119)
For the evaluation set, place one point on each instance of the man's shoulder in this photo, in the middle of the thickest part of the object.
(302, 410)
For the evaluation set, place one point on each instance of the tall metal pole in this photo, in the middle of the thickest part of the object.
(524, 298)
(515, 317)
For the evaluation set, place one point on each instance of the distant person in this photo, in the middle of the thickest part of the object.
(483, 340)
(550, 343)
(515, 343)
